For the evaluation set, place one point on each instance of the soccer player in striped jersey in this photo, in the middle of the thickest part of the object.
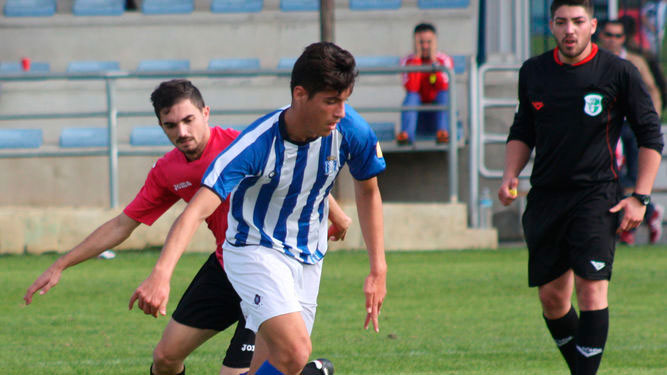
(278, 174)
(210, 304)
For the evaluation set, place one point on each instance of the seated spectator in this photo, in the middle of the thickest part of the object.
(425, 88)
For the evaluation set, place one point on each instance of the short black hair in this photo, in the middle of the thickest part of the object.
(424, 27)
(587, 4)
(171, 92)
(602, 24)
(324, 66)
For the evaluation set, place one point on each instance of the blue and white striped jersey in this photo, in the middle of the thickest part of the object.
(279, 189)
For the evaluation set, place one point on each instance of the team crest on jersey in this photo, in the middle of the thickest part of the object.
(593, 104)
(330, 165)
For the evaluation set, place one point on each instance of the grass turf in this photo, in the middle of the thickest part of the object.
(448, 312)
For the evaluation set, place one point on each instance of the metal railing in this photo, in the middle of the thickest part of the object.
(112, 114)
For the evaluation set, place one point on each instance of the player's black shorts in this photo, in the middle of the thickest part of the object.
(210, 302)
(571, 229)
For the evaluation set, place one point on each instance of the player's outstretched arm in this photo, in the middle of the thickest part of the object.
(517, 155)
(369, 207)
(106, 236)
(153, 294)
(340, 222)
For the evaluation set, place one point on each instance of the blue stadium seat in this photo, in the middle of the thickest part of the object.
(286, 63)
(84, 137)
(443, 4)
(30, 8)
(459, 64)
(377, 61)
(374, 4)
(233, 64)
(299, 5)
(98, 7)
(92, 66)
(15, 67)
(148, 136)
(20, 138)
(384, 131)
(236, 6)
(163, 65)
(167, 6)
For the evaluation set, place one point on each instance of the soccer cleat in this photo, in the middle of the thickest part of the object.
(320, 366)
(627, 237)
(442, 136)
(402, 138)
(655, 224)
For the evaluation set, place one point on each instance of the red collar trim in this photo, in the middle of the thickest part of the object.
(594, 51)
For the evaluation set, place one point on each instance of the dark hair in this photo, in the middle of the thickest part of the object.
(602, 24)
(171, 92)
(587, 4)
(629, 25)
(324, 66)
(424, 27)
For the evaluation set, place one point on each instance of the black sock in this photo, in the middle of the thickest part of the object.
(563, 331)
(591, 337)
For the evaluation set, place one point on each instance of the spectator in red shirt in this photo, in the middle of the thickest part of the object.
(425, 88)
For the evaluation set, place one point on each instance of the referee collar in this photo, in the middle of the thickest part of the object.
(594, 51)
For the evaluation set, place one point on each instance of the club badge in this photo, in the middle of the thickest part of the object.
(593, 104)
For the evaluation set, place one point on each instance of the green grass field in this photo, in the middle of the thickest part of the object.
(463, 312)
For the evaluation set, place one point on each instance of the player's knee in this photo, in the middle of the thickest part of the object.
(555, 303)
(166, 362)
(294, 356)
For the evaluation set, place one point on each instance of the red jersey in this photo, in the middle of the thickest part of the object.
(173, 177)
(427, 84)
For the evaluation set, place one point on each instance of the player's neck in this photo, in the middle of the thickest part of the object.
(576, 59)
(295, 127)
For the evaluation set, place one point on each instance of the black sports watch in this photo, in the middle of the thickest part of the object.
(643, 199)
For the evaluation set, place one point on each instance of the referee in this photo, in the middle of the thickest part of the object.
(572, 102)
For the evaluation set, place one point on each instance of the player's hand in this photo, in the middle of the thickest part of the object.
(507, 192)
(47, 280)
(338, 230)
(633, 213)
(375, 289)
(152, 295)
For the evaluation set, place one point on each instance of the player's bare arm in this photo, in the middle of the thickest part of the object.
(369, 207)
(517, 155)
(633, 210)
(153, 294)
(106, 236)
(340, 222)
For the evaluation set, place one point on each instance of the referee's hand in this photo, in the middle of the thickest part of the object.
(507, 192)
(633, 213)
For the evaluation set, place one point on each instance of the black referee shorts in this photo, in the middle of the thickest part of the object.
(571, 229)
(210, 302)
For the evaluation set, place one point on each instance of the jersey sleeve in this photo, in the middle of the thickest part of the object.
(411, 81)
(153, 200)
(366, 160)
(523, 127)
(243, 158)
(641, 114)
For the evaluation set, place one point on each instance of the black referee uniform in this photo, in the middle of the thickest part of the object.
(572, 115)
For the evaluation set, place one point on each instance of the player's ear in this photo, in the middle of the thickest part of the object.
(299, 94)
(206, 111)
(594, 25)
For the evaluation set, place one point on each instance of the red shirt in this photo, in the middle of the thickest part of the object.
(427, 84)
(173, 177)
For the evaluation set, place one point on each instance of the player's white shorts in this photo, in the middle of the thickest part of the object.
(271, 283)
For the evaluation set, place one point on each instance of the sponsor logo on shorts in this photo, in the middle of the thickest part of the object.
(598, 265)
(561, 342)
(588, 352)
(258, 299)
(248, 348)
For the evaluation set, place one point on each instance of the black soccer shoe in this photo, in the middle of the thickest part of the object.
(320, 366)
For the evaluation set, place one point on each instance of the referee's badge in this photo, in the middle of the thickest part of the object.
(593, 104)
